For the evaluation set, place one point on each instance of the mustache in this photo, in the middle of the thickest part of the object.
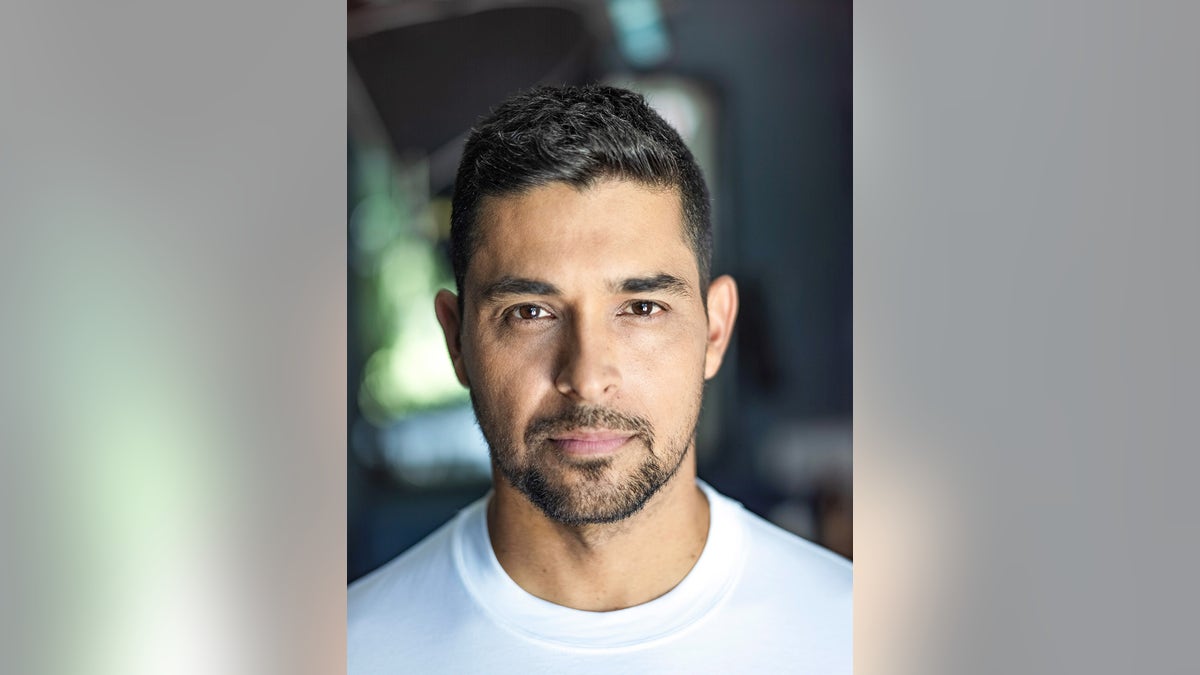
(588, 417)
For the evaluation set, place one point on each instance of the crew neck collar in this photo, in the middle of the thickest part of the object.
(511, 606)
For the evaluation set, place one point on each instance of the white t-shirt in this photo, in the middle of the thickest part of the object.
(759, 600)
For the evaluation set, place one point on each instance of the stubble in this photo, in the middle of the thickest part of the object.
(583, 491)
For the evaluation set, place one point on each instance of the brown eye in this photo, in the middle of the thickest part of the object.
(641, 308)
(530, 312)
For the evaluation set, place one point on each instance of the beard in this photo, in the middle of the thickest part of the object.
(582, 491)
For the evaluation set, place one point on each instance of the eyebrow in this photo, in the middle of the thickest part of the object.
(518, 286)
(664, 283)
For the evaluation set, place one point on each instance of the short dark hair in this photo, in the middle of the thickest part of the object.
(576, 135)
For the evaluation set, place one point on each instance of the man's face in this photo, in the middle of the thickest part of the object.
(584, 342)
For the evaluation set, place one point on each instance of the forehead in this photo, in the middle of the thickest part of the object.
(561, 233)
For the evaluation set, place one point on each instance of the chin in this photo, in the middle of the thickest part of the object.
(592, 495)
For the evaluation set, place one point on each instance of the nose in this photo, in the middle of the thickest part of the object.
(588, 370)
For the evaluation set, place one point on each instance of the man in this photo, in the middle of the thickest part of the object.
(585, 326)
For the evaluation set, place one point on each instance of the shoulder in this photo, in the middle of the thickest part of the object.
(394, 613)
(794, 596)
(396, 582)
(773, 545)
(781, 564)
(428, 575)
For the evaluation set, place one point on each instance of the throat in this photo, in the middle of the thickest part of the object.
(606, 567)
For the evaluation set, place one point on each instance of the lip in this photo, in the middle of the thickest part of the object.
(590, 443)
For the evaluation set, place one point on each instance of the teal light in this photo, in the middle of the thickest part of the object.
(641, 34)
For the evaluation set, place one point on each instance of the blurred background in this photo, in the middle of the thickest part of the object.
(761, 92)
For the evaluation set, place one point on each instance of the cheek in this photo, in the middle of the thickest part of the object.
(668, 367)
(509, 377)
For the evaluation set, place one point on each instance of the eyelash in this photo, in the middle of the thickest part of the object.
(655, 308)
(512, 314)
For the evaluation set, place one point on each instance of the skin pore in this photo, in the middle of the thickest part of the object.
(585, 342)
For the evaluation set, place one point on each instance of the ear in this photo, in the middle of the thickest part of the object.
(722, 313)
(446, 306)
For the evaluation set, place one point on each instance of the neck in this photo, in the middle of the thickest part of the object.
(601, 567)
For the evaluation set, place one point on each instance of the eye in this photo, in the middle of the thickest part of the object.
(643, 308)
(529, 313)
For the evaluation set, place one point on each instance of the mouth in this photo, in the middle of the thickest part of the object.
(590, 443)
